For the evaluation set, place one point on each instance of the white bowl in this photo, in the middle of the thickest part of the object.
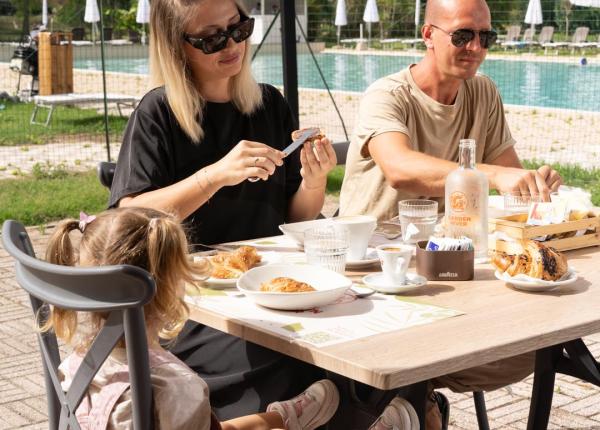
(295, 230)
(330, 286)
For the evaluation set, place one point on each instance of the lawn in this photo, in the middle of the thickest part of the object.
(53, 194)
(16, 128)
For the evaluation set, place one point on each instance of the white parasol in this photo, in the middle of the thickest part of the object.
(534, 13)
(341, 18)
(417, 17)
(370, 15)
(143, 16)
(92, 14)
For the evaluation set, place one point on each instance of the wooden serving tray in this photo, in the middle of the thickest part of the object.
(515, 227)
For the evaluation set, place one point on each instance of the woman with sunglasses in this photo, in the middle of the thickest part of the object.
(206, 145)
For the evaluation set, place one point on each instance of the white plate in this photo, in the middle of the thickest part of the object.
(526, 283)
(330, 286)
(380, 283)
(266, 258)
(295, 230)
(370, 258)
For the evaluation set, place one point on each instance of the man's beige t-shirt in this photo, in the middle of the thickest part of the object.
(396, 104)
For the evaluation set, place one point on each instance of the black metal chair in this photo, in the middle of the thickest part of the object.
(106, 172)
(119, 291)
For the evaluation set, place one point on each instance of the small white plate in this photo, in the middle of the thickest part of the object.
(267, 257)
(369, 258)
(527, 283)
(329, 286)
(380, 283)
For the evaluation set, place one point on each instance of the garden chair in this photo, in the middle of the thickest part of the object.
(78, 33)
(118, 291)
(527, 40)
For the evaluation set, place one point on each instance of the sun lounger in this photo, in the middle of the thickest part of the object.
(526, 41)
(512, 35)
(578, 38)
(412, 42)
(72, 99)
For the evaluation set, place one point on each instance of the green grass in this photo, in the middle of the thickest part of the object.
(51, 196)
(588, 179)
(16, 128)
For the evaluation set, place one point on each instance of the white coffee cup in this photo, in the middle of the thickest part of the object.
(360, 228)
(395, 258)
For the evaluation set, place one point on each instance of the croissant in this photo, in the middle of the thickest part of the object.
(285, 285)
(230, 265)
(537, 260)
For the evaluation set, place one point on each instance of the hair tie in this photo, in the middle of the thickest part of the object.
(84, 220)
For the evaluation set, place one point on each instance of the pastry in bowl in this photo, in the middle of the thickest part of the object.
(285, 285)
(537, 260)
(231, 265)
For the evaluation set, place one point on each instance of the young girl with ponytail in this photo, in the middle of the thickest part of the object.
(156, 242)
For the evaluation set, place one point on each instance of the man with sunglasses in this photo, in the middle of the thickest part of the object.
(406, 143)
(410, 123)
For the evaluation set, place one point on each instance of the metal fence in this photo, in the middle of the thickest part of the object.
(549, 80)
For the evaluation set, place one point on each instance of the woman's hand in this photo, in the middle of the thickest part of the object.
(246, 160)
(316, 163)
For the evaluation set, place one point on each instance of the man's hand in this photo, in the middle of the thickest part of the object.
(527, 182)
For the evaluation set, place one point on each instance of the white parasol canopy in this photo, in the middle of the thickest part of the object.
(588, 3)
(534, 13)
(340, 17)
(91, 11)
(370, 15)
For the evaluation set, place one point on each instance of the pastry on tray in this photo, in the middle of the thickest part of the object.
(537, 260)
(231, 265)
(285, 285)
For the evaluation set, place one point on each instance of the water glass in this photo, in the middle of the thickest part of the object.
(519, 203)
(418, 218)
(327, 247)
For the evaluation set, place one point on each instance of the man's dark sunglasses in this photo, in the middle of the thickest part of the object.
(461, 37)
(238, 32)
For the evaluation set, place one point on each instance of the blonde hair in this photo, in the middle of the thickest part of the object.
(141, 237)
(168, 67)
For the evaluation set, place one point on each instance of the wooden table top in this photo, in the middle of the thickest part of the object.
(499, 322)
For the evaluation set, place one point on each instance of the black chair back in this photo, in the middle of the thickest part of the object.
(106, 173)
(119, 291)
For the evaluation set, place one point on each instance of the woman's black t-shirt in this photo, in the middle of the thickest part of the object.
(156, 153)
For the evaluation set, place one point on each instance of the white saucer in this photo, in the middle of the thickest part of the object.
(380, 283)
(369, 258)
(526, 283)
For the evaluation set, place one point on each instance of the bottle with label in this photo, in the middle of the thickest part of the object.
(466, 193)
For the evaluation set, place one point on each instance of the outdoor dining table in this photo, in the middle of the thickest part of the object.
(498, 321)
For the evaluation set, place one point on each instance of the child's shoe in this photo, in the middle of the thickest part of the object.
(311, 409)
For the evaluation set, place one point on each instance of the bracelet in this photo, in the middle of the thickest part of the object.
(208, 181)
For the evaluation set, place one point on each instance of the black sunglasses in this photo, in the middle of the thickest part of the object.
(461, 37)
(239, 32)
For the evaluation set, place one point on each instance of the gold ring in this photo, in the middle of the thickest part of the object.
(256, 160)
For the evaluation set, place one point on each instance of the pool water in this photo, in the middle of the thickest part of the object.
(528, 83)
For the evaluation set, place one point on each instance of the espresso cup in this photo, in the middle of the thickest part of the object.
(395, 258)
(360, 229)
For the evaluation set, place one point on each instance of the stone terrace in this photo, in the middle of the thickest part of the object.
(22, 392)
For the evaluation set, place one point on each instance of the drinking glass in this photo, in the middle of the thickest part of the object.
(418, 218)
(327, 247)
(519, 203)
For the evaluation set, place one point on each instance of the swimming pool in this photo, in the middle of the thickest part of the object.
(528, 83)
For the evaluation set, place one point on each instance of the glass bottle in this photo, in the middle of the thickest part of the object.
(466, 194)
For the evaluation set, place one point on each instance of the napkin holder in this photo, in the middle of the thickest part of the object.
(445, 265)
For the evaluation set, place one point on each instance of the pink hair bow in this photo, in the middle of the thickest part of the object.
(84, 220)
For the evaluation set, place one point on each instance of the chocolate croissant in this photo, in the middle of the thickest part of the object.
(537, 260)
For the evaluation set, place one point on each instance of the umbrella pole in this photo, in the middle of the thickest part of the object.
(339, 31)
(104, 82)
